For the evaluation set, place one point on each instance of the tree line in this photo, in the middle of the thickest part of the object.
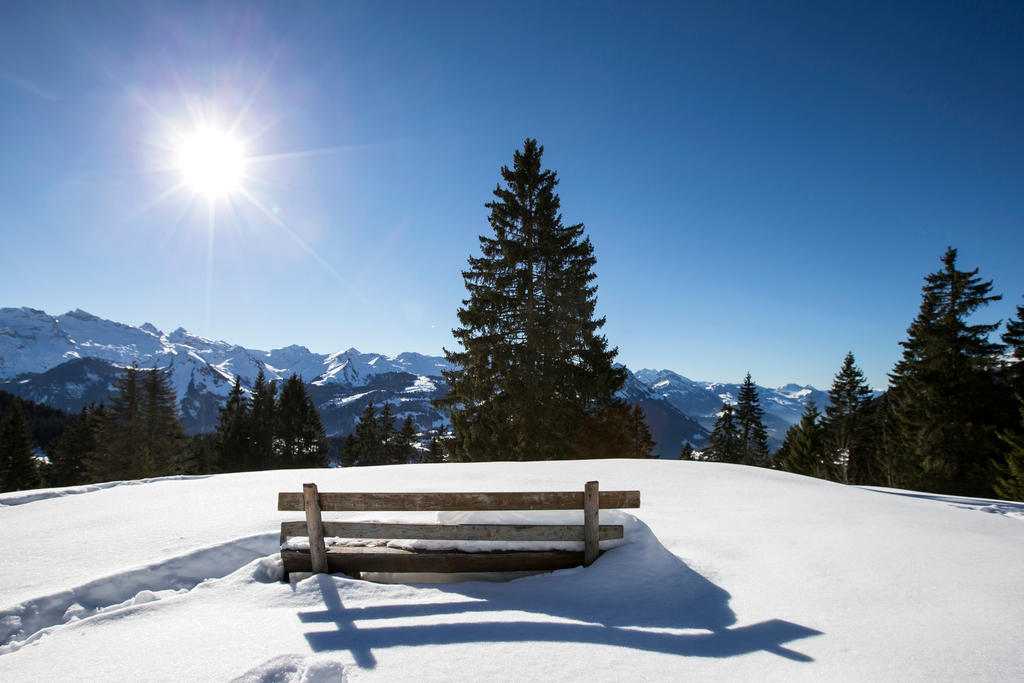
(137, 434)
(951, 421)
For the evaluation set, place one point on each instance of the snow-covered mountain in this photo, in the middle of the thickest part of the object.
(703, 400)
(73, 359)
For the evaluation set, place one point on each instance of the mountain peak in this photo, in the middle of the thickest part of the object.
(79, 314)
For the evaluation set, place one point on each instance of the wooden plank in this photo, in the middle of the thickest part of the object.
(591, 504)
(456, 532)
(433, 501)
(394, 560)
(314, 526)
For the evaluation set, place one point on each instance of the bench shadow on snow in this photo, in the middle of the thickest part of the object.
(636, 586)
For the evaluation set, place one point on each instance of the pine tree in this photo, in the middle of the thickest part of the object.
(724, 444)
(299, 439)
(1010, 482)
(119, 453)
(69, 452)
(846, 425)
(405, 451)
(532, 365)
(1014, 340)
(805, 452)
(262, 422)
(641, 445)
(349, 453)
(18, 469)
(750, 424)
(233, 438)
(368, 449)
(944, 396)
(386, 435)
(164, 439)
(687, 452)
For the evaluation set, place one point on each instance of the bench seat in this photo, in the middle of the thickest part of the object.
(354, 559)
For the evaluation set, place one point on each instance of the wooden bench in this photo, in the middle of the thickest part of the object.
(353, 560)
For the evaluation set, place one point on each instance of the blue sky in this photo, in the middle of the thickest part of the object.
(765, 184)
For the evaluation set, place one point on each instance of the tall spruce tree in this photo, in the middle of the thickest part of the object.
(69, 452)
(299, 439)
(1014, 340)
(533, 366)
(846, 424)
(386, 434)
(943, 392)
(141, 434)
(232, 439)
(119, 453)
(641, 444)
(18, 469)
(1010, 480)
(724, 444)
(404, 448)
(750, 424)
(367, 448)
(262, 423)
(164, 438)
(805, 447)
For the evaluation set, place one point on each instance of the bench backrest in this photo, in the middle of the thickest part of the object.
(590, 500)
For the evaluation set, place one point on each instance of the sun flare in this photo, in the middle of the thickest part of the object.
(212, 162)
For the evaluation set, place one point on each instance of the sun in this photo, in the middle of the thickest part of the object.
(212, 162)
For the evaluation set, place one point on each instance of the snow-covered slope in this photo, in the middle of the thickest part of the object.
(728, 573)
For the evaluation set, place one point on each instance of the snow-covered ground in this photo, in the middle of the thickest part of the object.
(728, 573)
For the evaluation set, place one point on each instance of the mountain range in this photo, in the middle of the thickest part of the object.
(71, 360)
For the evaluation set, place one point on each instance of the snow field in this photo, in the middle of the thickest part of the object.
(726, 572)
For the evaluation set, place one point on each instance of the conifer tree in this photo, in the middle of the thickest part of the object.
(533, 366)
(405, 451)
(641, 445)
(119, 453)
(349, 452)
(70, 451)
(299, 439)
(18, 469)
(782, 454)
(164, 439)
(750, 424)
(805, 451)
(724, 444)
(386, 435)
(1014, 340)
(367, 443)
(232, 441)
(944, 396)
(687, 452)
(846, 427)
(262, 423)
(1010, 481)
